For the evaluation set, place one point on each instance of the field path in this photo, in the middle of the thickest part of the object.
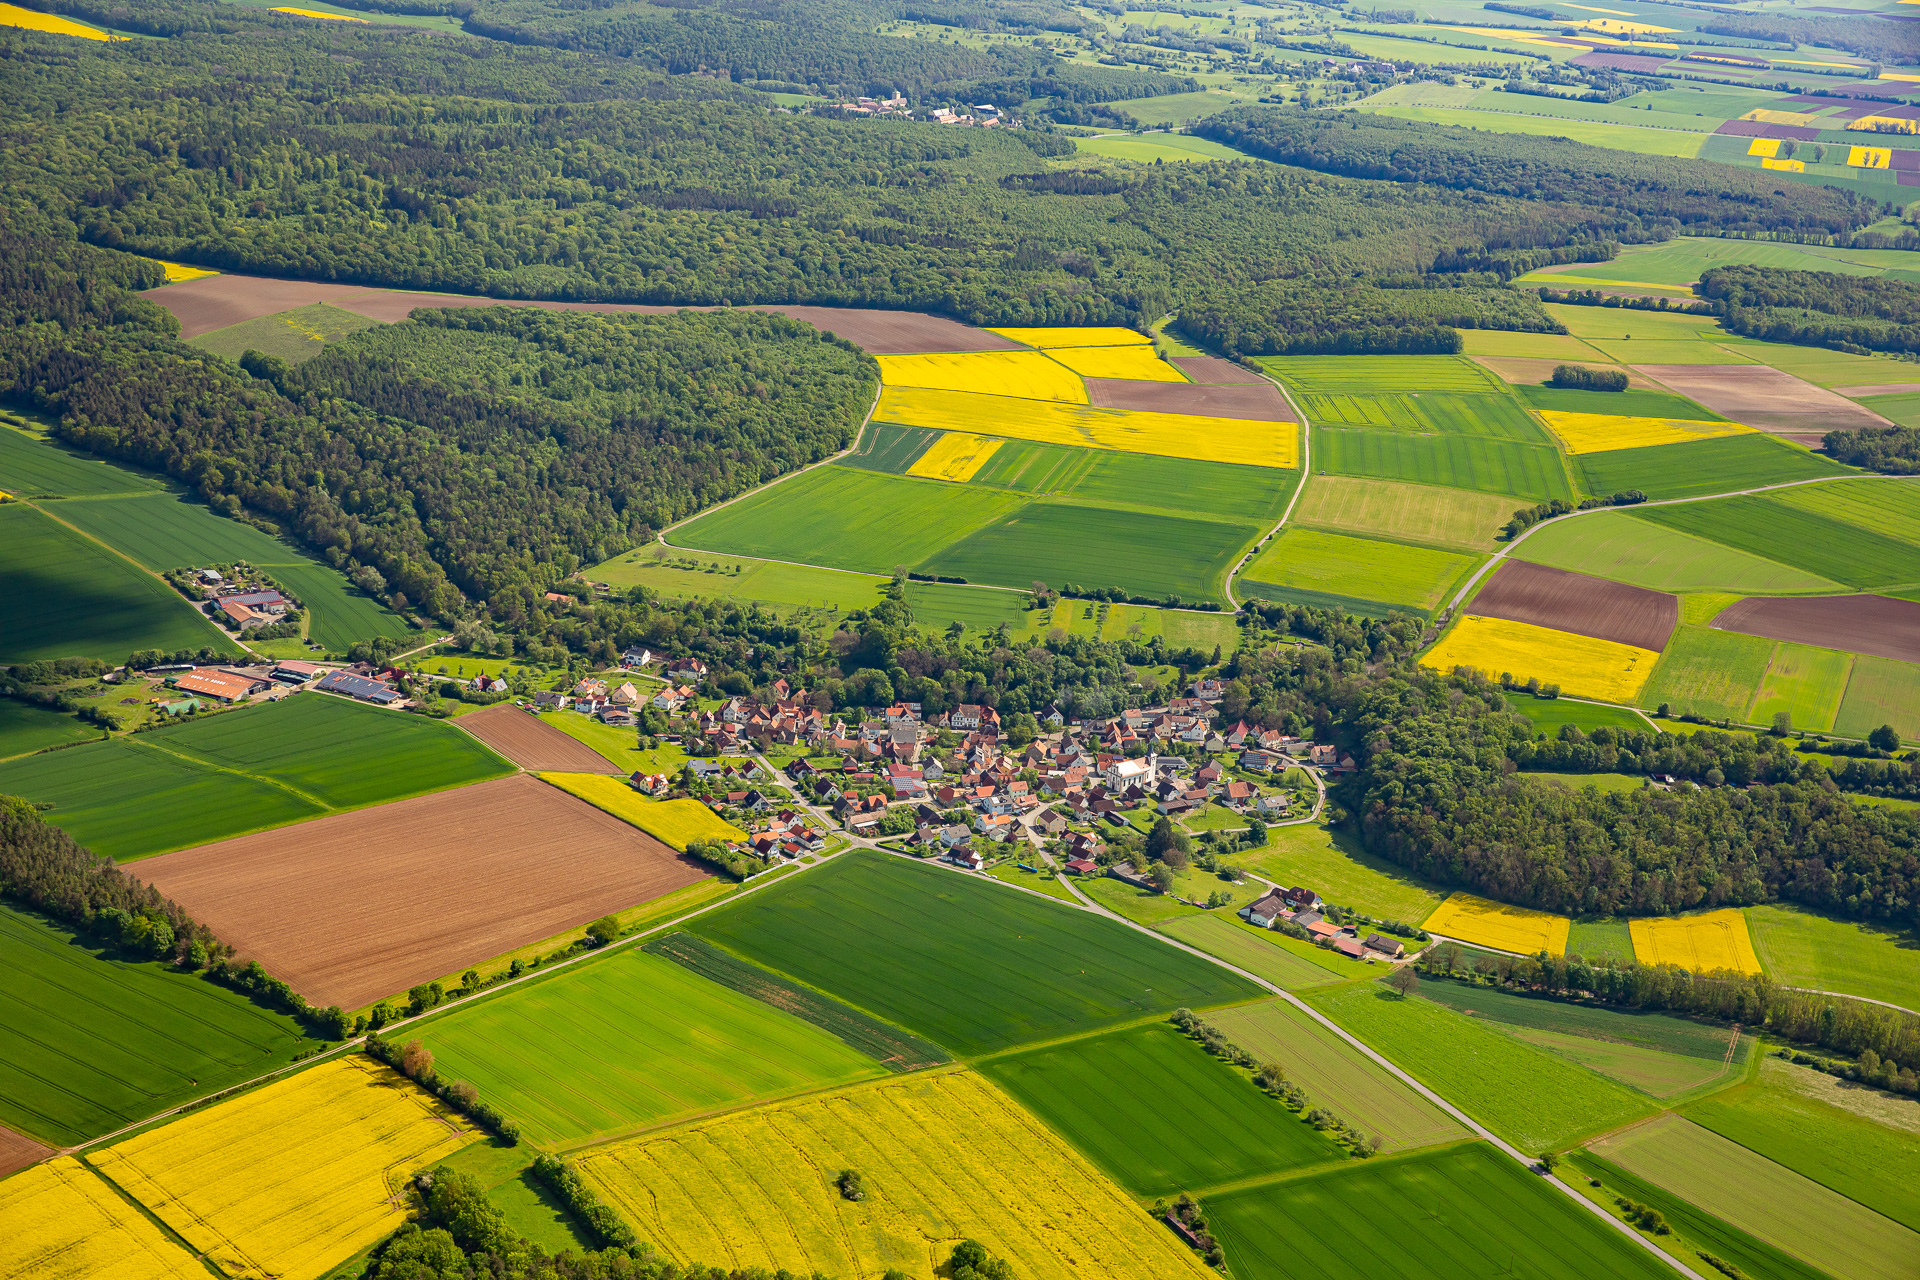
(1306, 478)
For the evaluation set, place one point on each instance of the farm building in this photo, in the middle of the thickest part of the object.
(1390, 947)
(226, 686)
(1264, 911)
(1083, 866)
(296, 672)
(359, 687)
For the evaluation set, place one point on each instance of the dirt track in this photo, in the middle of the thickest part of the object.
(1262, 403)
(17, 1151)
(358, 906)
(1878, 625)
(1213, 371)
(1587, 606)
(532, 743)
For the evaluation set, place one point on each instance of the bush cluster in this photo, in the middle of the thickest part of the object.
(415, 1061)
(582, 1202)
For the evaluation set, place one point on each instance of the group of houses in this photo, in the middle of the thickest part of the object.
(1302, 908)
(241, 605)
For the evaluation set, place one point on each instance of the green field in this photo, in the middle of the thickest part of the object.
(531, 1209)
(342, 613)
(1881, 691)
(630, 1041)
(1806, 540)
(1165, 146)
(1634, 403)
(1027, 466)
(891, 449)
(1626, 548)
(26, 727)
(1500, 417)
(1696, 468)
(1547, 715)
(1532, 1098)
(1381, 375)
(1158, 1112)
(293, 336)
(1141, 552)
(1603, 938)
(1680, 261)
(784, 586)
(1457, 462)
(1650, 327)
(1580, 781)
(1427, 513)
(1343, 873)
(1463, 1213)
(1619, 137)
(31, 467)
(1708, 673)
(970, 966)
(89, 1043)
(1286, 962)
(1804, 682)
(62, 595)
(935, 605)
(1184, 486)
(1885, 505)
(1317, 564)
(1337, 1076)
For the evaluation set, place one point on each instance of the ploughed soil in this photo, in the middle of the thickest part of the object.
(1766, 399)
(1262, 403)
(1580, 603)
(1878, 625)
(1518, 370)
(532, 743)
(17, 1151)
(354, 907)
(1215, 371)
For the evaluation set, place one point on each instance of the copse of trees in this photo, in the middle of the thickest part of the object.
(1578, 377)
(1895, 451)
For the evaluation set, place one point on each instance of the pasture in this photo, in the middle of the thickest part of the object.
(1163, 146)
(1286, 962)
(36, 467)
(66, 1222)
(27, 727)
(1622, 546)
(1605, 936)
(677, 822)
(1319, 564)
(1709, 673)
(290, 1179)
(630, 1041)
(1336, 1075)
(1454, 462)
(970, 966)
(1343, 873)
(1768, 1201)
(944, 1155)
(1484, 923)
(1803, 682)
(1027, 375)
(90, 1042)
(1808, 540)
(64, 595)
(1157, 1112)
(1881, 691)
(1457, 1214)
(1461, 519)
(1696, 469)
(1065, 542)
(1533, 1099)
(1581, 665)
(1547, 715)
(683, 575)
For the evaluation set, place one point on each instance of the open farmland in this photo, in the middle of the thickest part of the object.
(1709, 673)
(1808, 540)
(1801, 948)
(1698, 468)
(1869, 624)
(1181, 486)
(64, 1222)
(888, 449)
(1458, 1214)
(1594, 607)
(1157, 1112)
(1066, 542)
(1286, 962)
(1637, 402)
(1880, 692)
(1499, 417)
(1381, 375)
(679, 575)
(1484, 923)
(955, 456)
(1621, 546)
(1256, 402)
(1599, 433)
(1884, 504)
(26, 727)
(1026, 374)
(1132, 363)
(532, 743)
(974, 967)
(293, 1178)
(1457, 462)
(89, 1043)
(343, 927)
(945, 1155)
(1769, 399)
(33, 467)
(1342, 872)
(1462, 519)
(1581, 665)
(1332, 569)
(1766, 1200)
(629, 1041)
(677, 822)
(1068, 336)
(1533, 1099)
(1803, 683)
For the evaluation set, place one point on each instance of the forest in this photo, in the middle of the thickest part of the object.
(1896, 452)
(1864, 34)
(1816, 308)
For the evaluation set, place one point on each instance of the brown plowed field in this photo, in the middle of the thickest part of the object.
(214, 302)
(532, 743)
(351, 908)
(1766, 399)
(1263, 403)
(1579, 603)
(1519, 370)
(17, 1151)
(887, 333)
(1216, 372)
(1858, 624)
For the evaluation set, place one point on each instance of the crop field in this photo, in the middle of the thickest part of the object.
(1343, 873)
(1455, 462)
(1184, 486)
(945, 1156)
(1496, 344)
(1621, 546)
(65, 1223)
(972, 967)
(1161, 146)
(293, 1178)
(31, 467)
(630, 1041)
(1027, 375)
(1558, 600)
(785, 586)
(1157, 1112)
(1768, 1201)
(1457, 1214)
(1336, 1075)
(1495, 924)
(1497, 416)
(1581, 665)
(1169, 435)
(1317, 564)
(677, 822)
(1599, 433)
(1043, 469)
(1807, 540)
(33, 20)
(1065, 542)
(1135, 363)
(1381, 375)
(1709, 673)
(26, 727)
(1881, 691)
(89, 1043)
(888, 449)
(1607, 938)
(1533, 1099)
(1804, 682)
(1180, 628)
(1702, 467)
(1259, 951)
(1067, 336)
(294, 335)
(956, 456)
(1635, 403)
(1804, 949)
(1458, 518)
(533, 743)
(1887, 506)
(62, 595)
(1886, 626)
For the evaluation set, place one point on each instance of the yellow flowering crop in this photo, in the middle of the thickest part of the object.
(61, 1221)
(1166, 435)
(1764, 115)
(955, 456)
(179, 271)
(292, 1179)
(678, 822)
(315, 13)
(1497, 925)
(1026, 374)
(1764, 147)
(1784, 166)
(1880, 124)
(1870, 157)
(1699, 943)
(1598, 432)
(12, 15)
(944, 1156)
(1137, 363)
(1579, 664)
(1108, 336)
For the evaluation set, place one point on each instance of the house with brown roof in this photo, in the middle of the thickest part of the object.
(224, 686)
(1392, 948)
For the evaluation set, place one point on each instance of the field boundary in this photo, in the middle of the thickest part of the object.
(1306, 478)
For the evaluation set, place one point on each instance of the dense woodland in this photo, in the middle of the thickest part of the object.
(1895, 451)
(1816, 308)
(1866, 35)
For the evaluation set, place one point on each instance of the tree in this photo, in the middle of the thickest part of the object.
(1162, 877)
(1886, 738)
(1167, 843)
(604, 930)
(1404, 980)
(1782, 724)
(1256, 832)
(416, 1060)
(1270, 1076)
(971, 1261)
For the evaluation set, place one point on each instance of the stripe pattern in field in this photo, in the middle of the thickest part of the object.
(1699, 943)
(1555, 598)
(1255, 403)
(1877, 625)
(1025, 374)
(1214, 371)
(1468, 918)
(532, 743)
(1138, 364)
(1767, 399)
(64, 1222)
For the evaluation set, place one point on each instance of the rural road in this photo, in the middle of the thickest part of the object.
(1306, 474)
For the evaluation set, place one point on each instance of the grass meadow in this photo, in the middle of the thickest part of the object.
(1547, 715)
(90, 1042)
(342, 613)
(1709, 673)
(1805, 683)
(784, 586)
(1534, 1099)
(1286, 962)
(1807, 540)
(1626, 548)
(970, 966)
(1460, 1213)
(1462, 519)
(1159, 1113)
(1342, 872)
(1697, 468)
(1608, 937)
(27, 727)
(1456, 462)
(31, 467)
(1143, 553)
(1318, 564)
(1881, 691)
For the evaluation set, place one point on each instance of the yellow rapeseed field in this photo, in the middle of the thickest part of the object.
(1110, 336)
(678, 822)
(12, 15)
(944, 1156)
(1497, 925)
(1139, 364)
(955, 456)
(1784, 166)
(1579, 664)
(1764, 147)
(1701, 943)
(315, 13)
(61, 1221)
(1765, 116)
(1166, 435)
(292, 1179)
(179, 271)
(1870, 157)
(1881, 124)
(1599, 432)
(1026, 374)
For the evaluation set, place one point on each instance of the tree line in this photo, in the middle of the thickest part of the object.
(1857, 314)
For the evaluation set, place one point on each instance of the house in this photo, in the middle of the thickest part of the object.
(1048, 822)
(1082, 866)
(268, 601)
(955, 836)
(548, 700)
(1323, 753)
(1265, 910)
(969, 717)
(224, 686)
(359, 687)
(650, 784)
(1299, 898)
(1257, 761)
(591, 688)
(993, 825)
(965, 856)
(618, 718)
(240, 615)
(1392, 948)
(688, 669)
(210, 576)
(626, 695)
(1349, 947)
(635, 657)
